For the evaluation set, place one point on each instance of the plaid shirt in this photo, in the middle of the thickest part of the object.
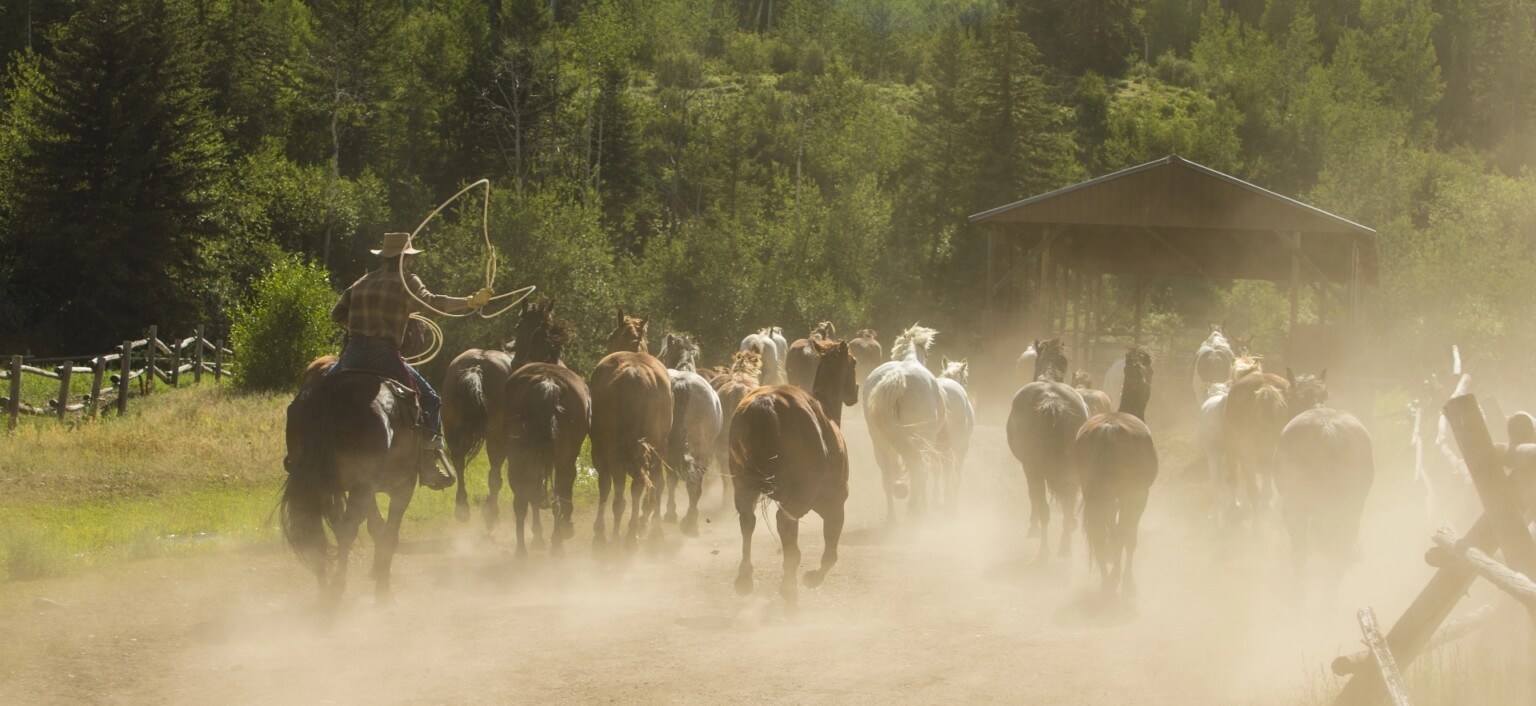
(376, 305)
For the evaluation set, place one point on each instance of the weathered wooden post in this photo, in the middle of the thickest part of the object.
(150, 345)
(218, 361)
(1383, 658)
(177, 352)
(65, 371)
(197, 358)
(98, 370)
(14, 408)
(125, 369)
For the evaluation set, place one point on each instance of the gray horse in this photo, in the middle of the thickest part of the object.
(696, 422)
(904, 409)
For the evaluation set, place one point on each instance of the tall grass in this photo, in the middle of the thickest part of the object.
(1470, 672)
(189, 470)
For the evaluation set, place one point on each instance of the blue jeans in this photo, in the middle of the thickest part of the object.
(381, 356)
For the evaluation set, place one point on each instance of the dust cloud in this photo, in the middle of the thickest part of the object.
(944, 610)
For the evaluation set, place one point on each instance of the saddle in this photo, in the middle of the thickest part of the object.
(402, 392)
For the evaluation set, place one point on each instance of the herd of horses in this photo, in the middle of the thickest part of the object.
(769, 426)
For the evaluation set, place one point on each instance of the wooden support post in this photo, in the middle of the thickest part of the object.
(1141, 300)
(125, 370)
(98, 371)
(1043, 293)
(14, 408)
(65, 371)
(1500, 502)
(218, 361)
(1345, 665)
(197, 358)
(176, 354)
(1383, 656)
(991, 274)
(1319, 294)
(1295, 242)
(149, 365)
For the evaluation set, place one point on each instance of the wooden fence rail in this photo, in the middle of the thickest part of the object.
(1458, 561)
(147, 360)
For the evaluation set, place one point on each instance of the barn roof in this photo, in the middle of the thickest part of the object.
(1175, 217)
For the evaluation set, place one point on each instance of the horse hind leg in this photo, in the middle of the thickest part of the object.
(604, 485)
(832, 533)
(1128, 528)
(560, 507)
(1039, 505)
(748, 520)
(789, 535)
(671, 485)
(384, 546)
(889, 464)
(689, 525)
(356, 512)
(461, 491)
(520, 510)
(1066, 493)
(491, 510)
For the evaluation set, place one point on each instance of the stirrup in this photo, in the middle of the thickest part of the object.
(436, 472)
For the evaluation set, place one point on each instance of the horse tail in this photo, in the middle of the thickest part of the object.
(757, 453)
(883, 410)
(466, 418)
(540, 428)
(312, 497)
(1270, 402)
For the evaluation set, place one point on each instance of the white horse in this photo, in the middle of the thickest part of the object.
(1212, 413)
(777, 334)
(1114, 380)
(763, 344)
(1212, 364)
(904, 409)
(959, 422)
(1024, 367)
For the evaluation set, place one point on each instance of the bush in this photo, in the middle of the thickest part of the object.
(285, 325)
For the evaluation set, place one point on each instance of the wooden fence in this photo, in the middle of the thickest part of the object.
(1458, 561)
(147, 361)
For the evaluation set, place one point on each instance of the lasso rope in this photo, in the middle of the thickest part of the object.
(434, 331)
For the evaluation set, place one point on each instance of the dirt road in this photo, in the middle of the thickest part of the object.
(941, 613)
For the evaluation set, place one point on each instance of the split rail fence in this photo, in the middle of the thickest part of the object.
(1375, 674)
(113, 375)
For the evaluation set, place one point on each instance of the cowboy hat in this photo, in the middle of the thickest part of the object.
(396, 244)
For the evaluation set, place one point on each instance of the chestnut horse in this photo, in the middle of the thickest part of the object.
(631, 418)
(1116, 465)
(1255, 413)
(746, 369)
(788, 446)
(866, 349)
(800, 366)
(546, 415)
(1097, 400)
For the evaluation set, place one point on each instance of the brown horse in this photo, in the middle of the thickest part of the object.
(746, 369)
(1116, 465)
(788, 446)
(1097, 400)
(866, 349)
(1256, 411)
(473, 398)
(1042, 428)
(546, 415)
(316, 369)
(350, 436)
(631, 418)
(801, 365)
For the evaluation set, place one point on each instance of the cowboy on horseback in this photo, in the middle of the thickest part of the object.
(375, 311)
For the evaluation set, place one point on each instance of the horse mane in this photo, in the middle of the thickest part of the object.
(912, 340)
(748, 363)
(1082, 381)
(1246, 364)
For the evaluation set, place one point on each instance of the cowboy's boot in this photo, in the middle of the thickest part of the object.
(437, 471)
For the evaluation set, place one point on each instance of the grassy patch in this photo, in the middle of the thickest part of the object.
(190, 470)
(1468, 673)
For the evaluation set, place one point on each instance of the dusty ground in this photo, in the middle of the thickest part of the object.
(944, 612)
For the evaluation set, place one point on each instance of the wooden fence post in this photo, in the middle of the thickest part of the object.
(149, 351)
(1382, 655)
(98, 369)
(65, 371)
(1500, 502)
(125, 369)
(218, 361)
(176, 363)
(14, 410)
(197, 358)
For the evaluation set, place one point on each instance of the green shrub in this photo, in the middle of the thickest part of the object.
(285, 325)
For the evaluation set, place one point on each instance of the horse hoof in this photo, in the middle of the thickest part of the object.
(813, 579)
(671, 518)
(538, 543)
(461, 512)
(689, 527)
(1034, 531)
(744, 585)
(899, 491)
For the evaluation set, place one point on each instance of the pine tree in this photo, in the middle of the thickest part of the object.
(115, 195)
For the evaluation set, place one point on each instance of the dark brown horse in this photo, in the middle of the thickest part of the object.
(801, 365)
(631, 418)
(788, 446)
(546, 416)
(866, 349)
(1116, 465)
(1324, 471)
(473, 398)
(746, 370)
(350, 436)
(1042, 428)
